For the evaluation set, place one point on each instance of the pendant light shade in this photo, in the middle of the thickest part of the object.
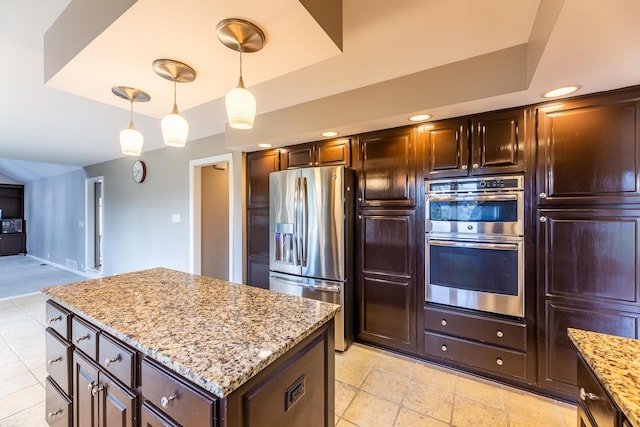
(241, 36)
(131, 140)
(241, 107)
(175, 128)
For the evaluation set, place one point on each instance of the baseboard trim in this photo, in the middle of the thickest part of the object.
(89, 274)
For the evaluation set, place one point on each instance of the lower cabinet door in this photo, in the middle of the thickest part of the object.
(117, 404)
(85, 379)
(583, 418)
(58, 406)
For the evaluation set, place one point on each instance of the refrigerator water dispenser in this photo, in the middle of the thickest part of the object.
(283, 236)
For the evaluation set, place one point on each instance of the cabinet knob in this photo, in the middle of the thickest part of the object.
(96, 389)
(499, 362)
(543, 195)
(359, 216)
(166, 401)
(543, 219)
(499, 334)
(584, 395)
(443, 322)
(108, 361)
(476, 166)
(53, 414)
(464, 167)
(443, 347)
(359, 199)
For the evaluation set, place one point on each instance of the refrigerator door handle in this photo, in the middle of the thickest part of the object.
(304, 199)
(334, 289)
(298, 221)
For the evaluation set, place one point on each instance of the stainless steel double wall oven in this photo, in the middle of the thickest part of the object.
(475, 243)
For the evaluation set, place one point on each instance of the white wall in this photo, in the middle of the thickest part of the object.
(5, 179)
(54, 211)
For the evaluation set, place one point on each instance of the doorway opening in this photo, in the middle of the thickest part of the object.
(212, 217)
(93, 220)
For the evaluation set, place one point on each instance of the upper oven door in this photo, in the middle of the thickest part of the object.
(495, 213)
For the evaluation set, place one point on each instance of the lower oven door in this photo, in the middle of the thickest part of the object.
(485, 274)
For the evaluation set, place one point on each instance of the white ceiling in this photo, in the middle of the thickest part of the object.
(74, 120)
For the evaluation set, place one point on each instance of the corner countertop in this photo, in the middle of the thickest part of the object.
(215, 333)
(616, 363)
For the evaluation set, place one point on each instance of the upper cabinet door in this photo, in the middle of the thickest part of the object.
(299, 156)
(497, 142)
(387, 173)
(447, 149)
(589, 152)
(259, 165)
(333, 153)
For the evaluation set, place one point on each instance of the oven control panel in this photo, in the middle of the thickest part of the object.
(476, 184)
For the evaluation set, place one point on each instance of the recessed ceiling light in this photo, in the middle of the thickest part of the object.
(330, 133)
(265, 145)
(420, 117)
(561, 91)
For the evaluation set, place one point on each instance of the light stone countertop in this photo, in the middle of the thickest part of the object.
(215, 333)
(616, 363)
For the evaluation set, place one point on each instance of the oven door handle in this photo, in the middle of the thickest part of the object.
(478, 198)
(495, 246)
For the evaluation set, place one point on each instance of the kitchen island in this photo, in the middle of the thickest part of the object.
(608, 379)
(161, 347)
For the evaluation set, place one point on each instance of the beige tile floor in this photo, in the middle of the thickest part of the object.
(373, 387)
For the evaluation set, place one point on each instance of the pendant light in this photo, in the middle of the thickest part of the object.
(131, 139)
(244, 37)
(175, 128)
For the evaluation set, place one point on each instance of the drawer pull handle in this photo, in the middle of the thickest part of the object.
(53, 414)
(584, 395)
(443, 322)
(166, 401)
(108, 361)
(55, 319)
(500, 334)
(82, 338)
(52, 361)
(499, 362)
(443, 347)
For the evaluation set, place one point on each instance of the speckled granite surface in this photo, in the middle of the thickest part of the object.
(616, 363)
(215, 333)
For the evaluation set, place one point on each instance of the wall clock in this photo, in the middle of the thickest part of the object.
(139, 171)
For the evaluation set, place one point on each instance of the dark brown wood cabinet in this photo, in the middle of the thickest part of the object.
(259, 165)
(490, 143)
(387, 282)
(589, 151)
(321, 153)
(13, 243)
(387, 172)
(12, 207)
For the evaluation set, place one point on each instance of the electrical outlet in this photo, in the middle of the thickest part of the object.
(175, 218)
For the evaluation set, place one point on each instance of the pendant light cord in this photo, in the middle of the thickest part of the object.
(131, 116)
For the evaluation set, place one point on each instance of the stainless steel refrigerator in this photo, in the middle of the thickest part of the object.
(311, 229)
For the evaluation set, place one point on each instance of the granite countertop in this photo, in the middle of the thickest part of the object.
(215, 333)
(616, 362)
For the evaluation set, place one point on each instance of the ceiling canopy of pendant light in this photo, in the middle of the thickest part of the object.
(131, 139)
(175, 128)
(243, 37)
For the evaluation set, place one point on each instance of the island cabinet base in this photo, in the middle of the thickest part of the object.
(297, 390)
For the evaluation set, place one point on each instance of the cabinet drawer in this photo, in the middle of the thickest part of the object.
(594, 398)
(151, 417)
(496, 331)
(57, 406)
(58, 356)
(84, 337)
(486, 357)
(187, 405)
(117, 359)
(58, 319)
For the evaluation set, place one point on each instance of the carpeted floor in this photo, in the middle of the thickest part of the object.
(20, 275)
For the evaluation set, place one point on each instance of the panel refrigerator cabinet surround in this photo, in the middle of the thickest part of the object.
(311, 242)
